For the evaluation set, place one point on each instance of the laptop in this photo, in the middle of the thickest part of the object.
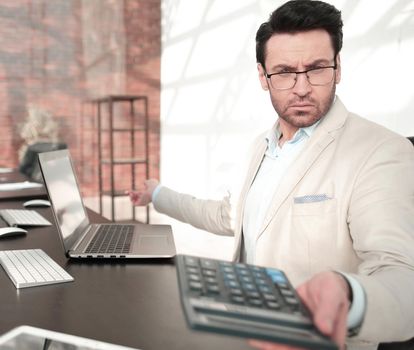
(83, 239)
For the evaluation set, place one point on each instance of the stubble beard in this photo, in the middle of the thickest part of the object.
(301, 119)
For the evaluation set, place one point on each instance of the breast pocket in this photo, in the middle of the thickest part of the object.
(314, 231)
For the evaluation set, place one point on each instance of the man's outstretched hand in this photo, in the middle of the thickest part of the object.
(326, 295)
(143, 196)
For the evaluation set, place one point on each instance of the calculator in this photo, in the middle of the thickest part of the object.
(245, 300)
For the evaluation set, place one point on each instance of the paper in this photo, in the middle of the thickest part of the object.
(13, 186)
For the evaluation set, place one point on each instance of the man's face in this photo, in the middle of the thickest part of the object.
(303, 104)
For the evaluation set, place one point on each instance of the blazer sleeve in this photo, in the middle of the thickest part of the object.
(381, 221)
(210, 215)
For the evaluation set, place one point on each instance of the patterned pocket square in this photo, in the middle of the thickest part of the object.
(311, 198)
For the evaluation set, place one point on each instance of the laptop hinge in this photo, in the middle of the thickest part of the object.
(81, 238)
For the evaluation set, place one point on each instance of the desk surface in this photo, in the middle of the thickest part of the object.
(134, 304)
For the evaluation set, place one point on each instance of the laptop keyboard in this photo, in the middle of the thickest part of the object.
(245, 300)
(111, 239)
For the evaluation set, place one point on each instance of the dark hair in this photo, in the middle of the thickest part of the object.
(299, 16)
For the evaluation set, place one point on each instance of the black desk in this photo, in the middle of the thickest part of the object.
(134, 304)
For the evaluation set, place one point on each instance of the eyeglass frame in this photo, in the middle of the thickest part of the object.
(268, 76)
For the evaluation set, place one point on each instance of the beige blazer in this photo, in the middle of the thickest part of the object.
(362, 224)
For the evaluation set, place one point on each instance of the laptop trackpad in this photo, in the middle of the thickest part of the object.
(153, 243)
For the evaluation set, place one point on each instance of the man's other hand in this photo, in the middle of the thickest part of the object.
(143, 196)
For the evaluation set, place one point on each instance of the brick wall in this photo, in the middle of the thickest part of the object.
(57, 54)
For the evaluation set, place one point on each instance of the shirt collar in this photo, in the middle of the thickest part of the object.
(274, 134)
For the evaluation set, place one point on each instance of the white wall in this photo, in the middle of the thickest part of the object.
(211, 101)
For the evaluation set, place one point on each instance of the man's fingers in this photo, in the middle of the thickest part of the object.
(340, 328)
(264, 345)
(326, 297)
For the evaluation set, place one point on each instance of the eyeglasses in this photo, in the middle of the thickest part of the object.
(316, 77)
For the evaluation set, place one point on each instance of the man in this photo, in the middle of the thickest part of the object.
(328, 196)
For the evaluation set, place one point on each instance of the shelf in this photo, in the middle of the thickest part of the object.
(117, 98)
(125, 129)
(137, 154)
(125, 161)
(116, 193)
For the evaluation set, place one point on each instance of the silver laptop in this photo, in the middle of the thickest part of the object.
(82, 239)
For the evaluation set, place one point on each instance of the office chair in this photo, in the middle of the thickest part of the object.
(29, 165)
(406, 345)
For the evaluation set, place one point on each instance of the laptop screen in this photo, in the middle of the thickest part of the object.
(61, 185)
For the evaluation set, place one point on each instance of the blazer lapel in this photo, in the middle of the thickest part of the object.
(320, 139)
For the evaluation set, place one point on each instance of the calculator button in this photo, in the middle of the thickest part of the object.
(269, 297)
(208, 264)
(194, 277)
(209, 273)
(192, 269)
(262, 281)
(238, 299)
(265, 289)
(211, 280)
(292, 301)
(255, 302)
(230, 276)
(213, 288)
(191, 261)
(232, 284)
(253, 294)
(249, 287)
(287, 292)
(196, 286)
(247, 279)
(236, 291)
(272, 305)
(227, 269)
(243, 272)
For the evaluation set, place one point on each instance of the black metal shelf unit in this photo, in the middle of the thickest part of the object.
(132, 132)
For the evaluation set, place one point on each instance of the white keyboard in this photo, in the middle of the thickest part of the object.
(32, 267)
(23, 217)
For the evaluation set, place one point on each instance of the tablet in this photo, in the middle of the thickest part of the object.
(29, 338)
